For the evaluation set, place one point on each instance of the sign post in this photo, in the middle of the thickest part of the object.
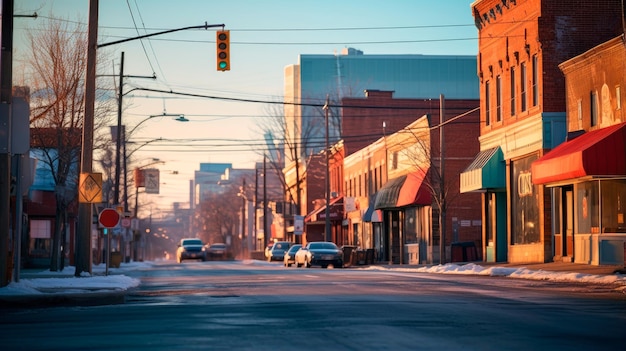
(108, 218)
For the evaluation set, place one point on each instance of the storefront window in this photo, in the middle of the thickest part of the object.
(587, 213)
(613, 209)
(524, 203)
(410, 225)
(40, 243)
(557, 214)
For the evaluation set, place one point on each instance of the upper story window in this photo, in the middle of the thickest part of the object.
(487, 104)
(394, 160)
(594, 108)
(535, 80)
(513, 91)
(498, 99)
(618, 97)
(523, 95)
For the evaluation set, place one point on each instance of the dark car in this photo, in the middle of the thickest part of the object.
(290, 255)
(217, 251)
(190, 249)
(319, 253)
(278, 250)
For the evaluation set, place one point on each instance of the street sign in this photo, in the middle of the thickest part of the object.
(90, 188)
(109, 218)
(125, 222)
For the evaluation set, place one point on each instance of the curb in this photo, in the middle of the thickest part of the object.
(62, 300)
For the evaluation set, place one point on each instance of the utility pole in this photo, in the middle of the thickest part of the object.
(329, 236)
(266, 232)
(83, 235)
(118, 137)
(243, 218)
(442, 197)
(6, 86)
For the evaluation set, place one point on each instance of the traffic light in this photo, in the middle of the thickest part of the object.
(223, 50)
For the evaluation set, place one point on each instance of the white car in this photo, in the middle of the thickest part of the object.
(319, 253)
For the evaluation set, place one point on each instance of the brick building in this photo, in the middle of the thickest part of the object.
(585, 176)
(391, 176)
(521, 44)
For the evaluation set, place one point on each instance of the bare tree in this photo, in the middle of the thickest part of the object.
(292, 141)
(57, 66)
(219, 215)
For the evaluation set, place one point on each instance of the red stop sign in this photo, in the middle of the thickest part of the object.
(109, 218)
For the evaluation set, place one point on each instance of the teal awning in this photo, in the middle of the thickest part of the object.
(486, 172)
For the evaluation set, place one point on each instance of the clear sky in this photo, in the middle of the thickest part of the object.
(266, 36)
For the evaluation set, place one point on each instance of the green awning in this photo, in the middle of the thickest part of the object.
(486, 172)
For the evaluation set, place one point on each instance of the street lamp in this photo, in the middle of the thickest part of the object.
(245, 200)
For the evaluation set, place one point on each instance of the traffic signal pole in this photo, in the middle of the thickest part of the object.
(83, 236)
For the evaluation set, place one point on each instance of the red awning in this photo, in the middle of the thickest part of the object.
(599, 153)
(404, 191)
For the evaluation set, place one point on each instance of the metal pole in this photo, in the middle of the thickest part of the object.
(442, 211)
(266, 232)
(243, 218)
(6, 86)
(118, 136)
(83, 237)
(329, 236)
(256, 203)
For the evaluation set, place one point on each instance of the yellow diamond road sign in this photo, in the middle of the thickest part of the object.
(90, 188)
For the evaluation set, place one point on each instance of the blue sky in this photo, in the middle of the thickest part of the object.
(266, 36)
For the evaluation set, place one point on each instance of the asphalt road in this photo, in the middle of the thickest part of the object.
(233, 306)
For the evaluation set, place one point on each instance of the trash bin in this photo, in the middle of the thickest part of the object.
(347, 254)
(369, 256)
(360, 257)
(116, 259)
(463, 251)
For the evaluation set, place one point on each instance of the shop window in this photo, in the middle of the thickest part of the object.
(39, 242)
(613, 206)
(525, 204)
(587, 219)
(410, 225)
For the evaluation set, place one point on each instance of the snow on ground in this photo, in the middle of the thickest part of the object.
(522, 273)
(65, 282)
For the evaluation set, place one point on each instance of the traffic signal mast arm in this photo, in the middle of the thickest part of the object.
(205, 26)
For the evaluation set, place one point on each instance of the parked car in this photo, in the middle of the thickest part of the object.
(319, 253)
(217, 251)
(290, 255)
(277, 251)
(190, 248)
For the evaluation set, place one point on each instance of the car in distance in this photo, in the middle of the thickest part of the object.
(217, 251)
(277, 251)
(190, 248)
(290, 255)
(319, 253)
